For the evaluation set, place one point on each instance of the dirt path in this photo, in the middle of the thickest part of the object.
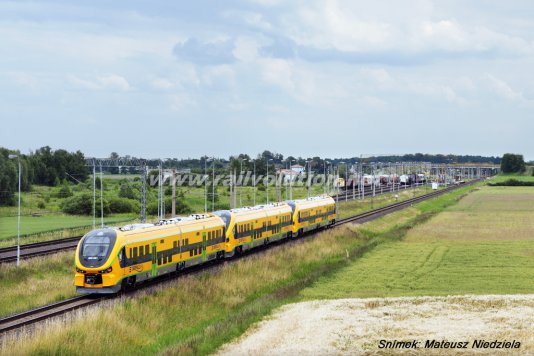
(349, 326)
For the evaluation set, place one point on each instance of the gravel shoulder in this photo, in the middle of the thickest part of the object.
(356, 326)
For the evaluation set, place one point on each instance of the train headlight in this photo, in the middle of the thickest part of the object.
(79, 270)
(108, 270)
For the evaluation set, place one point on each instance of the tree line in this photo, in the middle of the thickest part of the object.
(44, 167)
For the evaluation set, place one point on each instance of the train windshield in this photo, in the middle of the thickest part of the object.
(97, 246)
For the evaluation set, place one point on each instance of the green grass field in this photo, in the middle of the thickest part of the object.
(525, 177)
(48, 227)
(41, 224)
(195, 315)
(483, 245)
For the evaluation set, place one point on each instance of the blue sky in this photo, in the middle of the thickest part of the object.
(330, 78)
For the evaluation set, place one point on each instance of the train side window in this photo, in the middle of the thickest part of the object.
(147, 250)
(134, 252)
(122, 257)
(187, 242)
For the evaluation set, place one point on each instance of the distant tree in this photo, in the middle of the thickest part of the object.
(126, 191)
(82, 204)
(512, 163)
(64, 191)
(52, 167)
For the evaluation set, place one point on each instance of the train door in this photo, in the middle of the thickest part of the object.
(204, 246)
(154, 259)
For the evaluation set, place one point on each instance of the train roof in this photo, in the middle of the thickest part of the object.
(311, 201)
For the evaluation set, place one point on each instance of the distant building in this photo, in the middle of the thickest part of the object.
(291, 174)
(297, 168)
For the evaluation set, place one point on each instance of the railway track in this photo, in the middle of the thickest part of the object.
(20, 320)
(379, 212)
(9, 254)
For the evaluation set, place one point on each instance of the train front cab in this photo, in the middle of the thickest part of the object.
(97, 263)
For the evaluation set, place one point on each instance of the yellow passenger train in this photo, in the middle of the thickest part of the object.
(111, 259)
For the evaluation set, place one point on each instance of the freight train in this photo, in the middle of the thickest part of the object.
(368, 180)
(112, 259)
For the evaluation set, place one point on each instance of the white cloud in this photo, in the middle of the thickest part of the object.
(246, 49)
(111, 82)
(181, 101)
(114, 82)
(501, 88)
(349, 27)
(23, 79)
(374, 102)
(379, 75)
(278, 72)
(162, 84)
(252, 19)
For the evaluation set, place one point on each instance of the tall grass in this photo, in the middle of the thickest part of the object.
(36, 282)
(195, 315)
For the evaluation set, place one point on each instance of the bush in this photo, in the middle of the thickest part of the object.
(126, 191)
(64, 192)
(181, 207)
(82, 204)
(512, 183)
(123, 205)
(41, 205)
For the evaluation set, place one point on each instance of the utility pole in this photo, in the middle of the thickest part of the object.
(160, 213)
(309, 176)
(11, 156)
(241, 183)
(325, 179)
(235, 191)
(94, 194)
(173, 182)
(213, 185)
(231, 188)
(101, 197)
(18, 215)
(254, 182)
(143, 192)
(267, 179)
(290, 180)
(346, 179)
(205, 186)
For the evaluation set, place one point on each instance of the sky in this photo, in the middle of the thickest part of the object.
(160, 79)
